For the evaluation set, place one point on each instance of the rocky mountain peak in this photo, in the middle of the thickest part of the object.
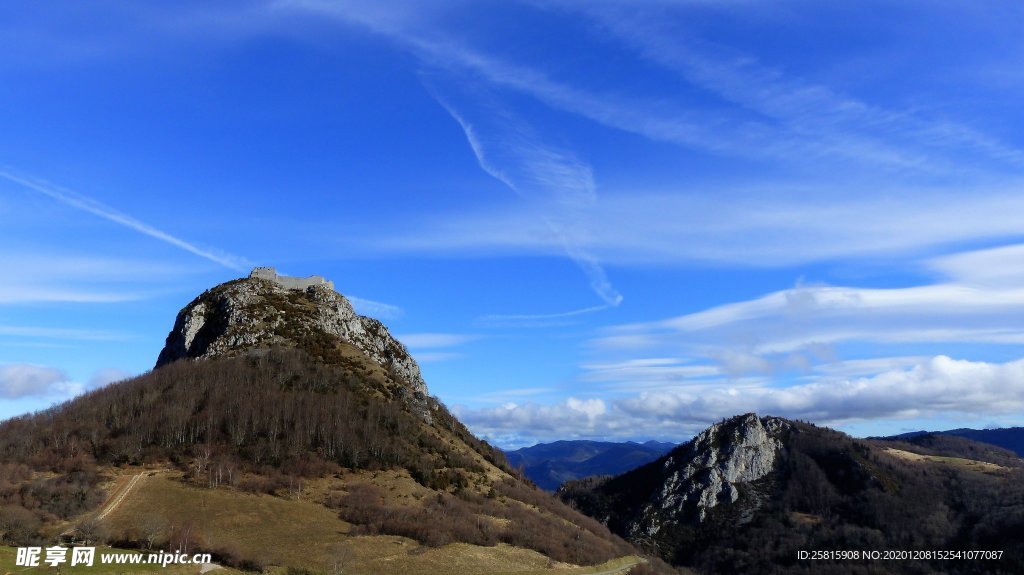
(266, 310)
(712, 469)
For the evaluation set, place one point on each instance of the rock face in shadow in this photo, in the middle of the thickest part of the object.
(253, 314)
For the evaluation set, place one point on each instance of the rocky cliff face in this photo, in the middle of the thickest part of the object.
(710, 470)
(250, 314)
(721, 466)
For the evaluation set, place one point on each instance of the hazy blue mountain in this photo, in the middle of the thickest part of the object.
(551, 464)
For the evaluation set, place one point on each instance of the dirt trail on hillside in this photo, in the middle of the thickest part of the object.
(119, 495)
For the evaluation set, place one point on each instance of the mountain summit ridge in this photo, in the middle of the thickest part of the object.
(707, 470)
(252, 314)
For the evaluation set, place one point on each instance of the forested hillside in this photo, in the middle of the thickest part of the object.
(261, 423)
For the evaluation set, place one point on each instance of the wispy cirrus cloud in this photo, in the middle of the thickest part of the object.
(434, 340)
(60, 333)
(375, 309)
(436, 356)
(557, 185)
(92, 206)
(17, 294)
(748, 227)
(42, 275)
(553, 182)
(763, 112)
(996, 267)
(757, 110)
(734, 104)
(805, 119)
(537, 319)
(434, 347)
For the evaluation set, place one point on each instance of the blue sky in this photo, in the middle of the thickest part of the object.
(608, 219)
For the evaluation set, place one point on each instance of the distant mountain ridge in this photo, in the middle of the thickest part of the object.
(549, 465)
(1011, 438)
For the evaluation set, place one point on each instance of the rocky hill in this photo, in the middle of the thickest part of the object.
(277, 396)
(712, 469)
(747, 494)
(252, 315)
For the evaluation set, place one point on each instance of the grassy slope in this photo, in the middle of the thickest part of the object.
(961, 462)
(274, 529)
(302, 532)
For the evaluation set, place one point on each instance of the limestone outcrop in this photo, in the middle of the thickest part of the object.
(250, 314)
(711, 470)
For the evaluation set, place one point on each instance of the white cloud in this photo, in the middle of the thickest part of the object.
(572, 418)
(937, 386)
(1002, 266)
(18, 381)
(798, 328)
(21, 380)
